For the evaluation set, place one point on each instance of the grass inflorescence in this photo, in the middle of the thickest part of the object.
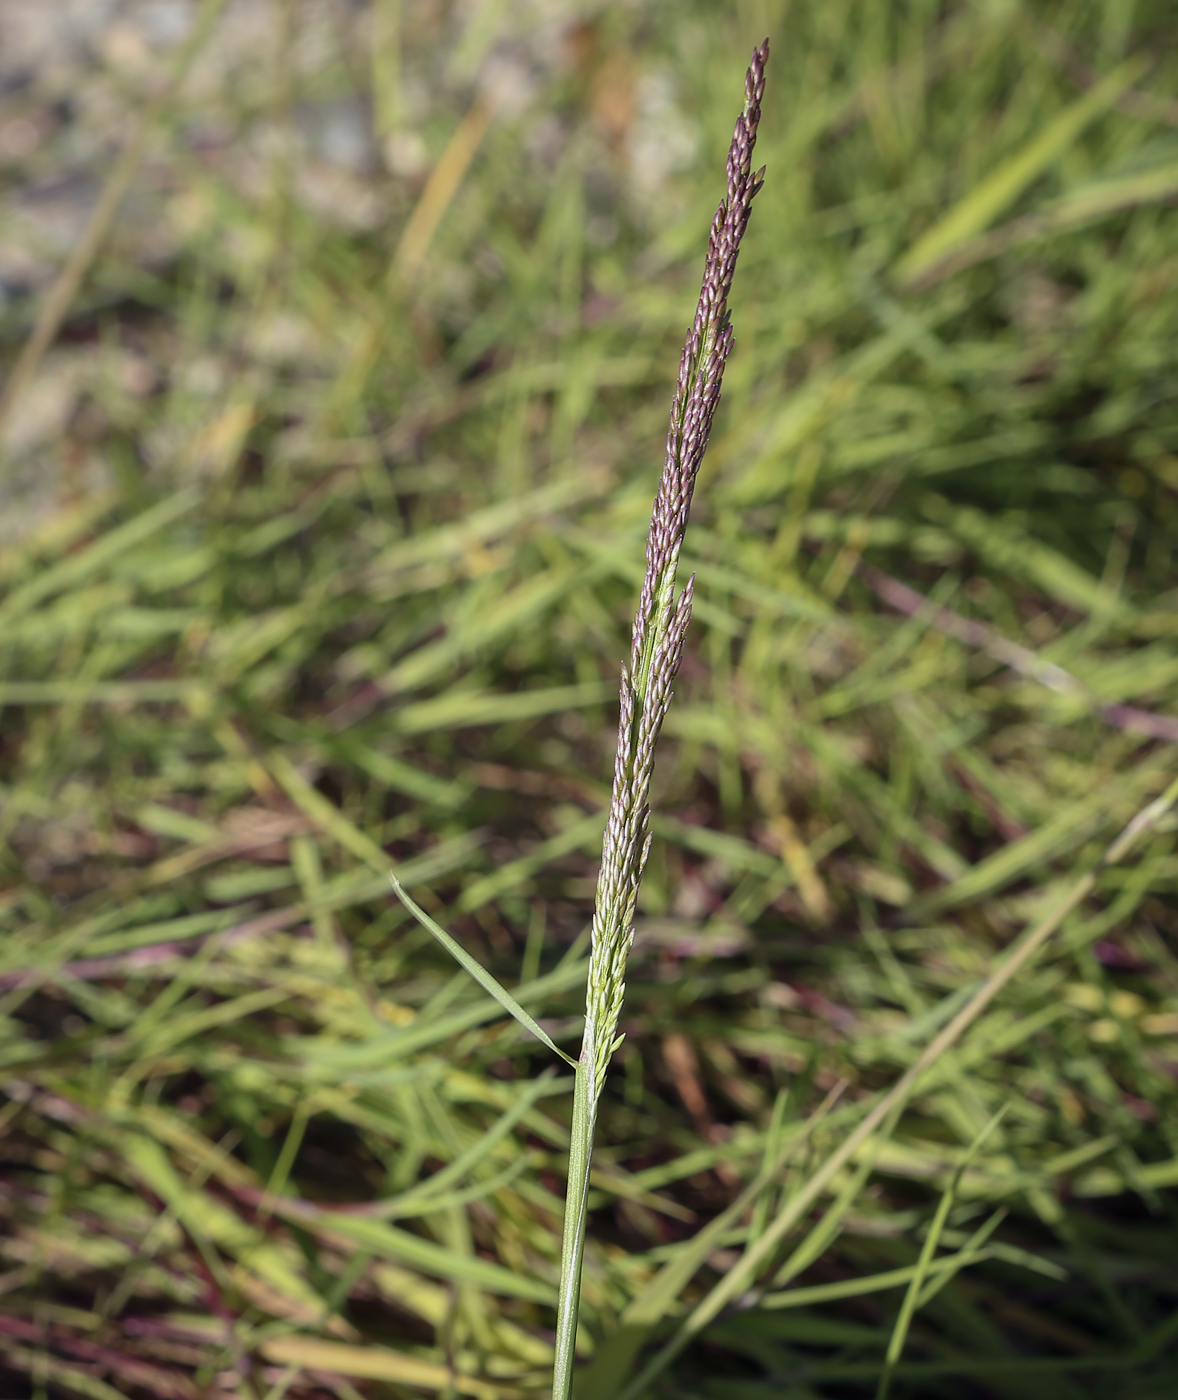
(656, 651)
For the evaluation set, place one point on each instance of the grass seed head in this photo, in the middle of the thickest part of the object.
(661, 619)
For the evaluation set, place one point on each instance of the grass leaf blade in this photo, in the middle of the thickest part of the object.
(479, 973)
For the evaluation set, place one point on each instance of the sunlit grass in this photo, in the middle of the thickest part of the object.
(299, 611)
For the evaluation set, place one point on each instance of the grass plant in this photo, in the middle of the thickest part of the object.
(348, 428)
(656, 651)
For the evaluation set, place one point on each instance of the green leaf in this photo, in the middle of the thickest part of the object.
(982, 205)
(387, 1242)
(479, 973)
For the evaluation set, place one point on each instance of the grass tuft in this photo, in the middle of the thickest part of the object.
(323, 491)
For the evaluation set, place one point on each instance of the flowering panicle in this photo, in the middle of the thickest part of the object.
(661, 619)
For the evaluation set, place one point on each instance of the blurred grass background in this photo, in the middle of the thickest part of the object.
(322, 516)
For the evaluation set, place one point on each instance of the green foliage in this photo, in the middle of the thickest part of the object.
(346, 523)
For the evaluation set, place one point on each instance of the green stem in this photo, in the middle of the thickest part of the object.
(576, 1204)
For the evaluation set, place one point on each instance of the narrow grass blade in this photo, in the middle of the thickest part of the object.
(479, 973)
(368, 1060)
(614, 1358)
(1004, 185)
(462, 709)
(1100, 199)
(816, 1242)
(41, 1367)
(870, 1283)
(927, 1253)
(325, 814)
(440, 1261)
(975, 1246)
(82, 563)
(1016, 959)
(427, 1196)
(378, 1364)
